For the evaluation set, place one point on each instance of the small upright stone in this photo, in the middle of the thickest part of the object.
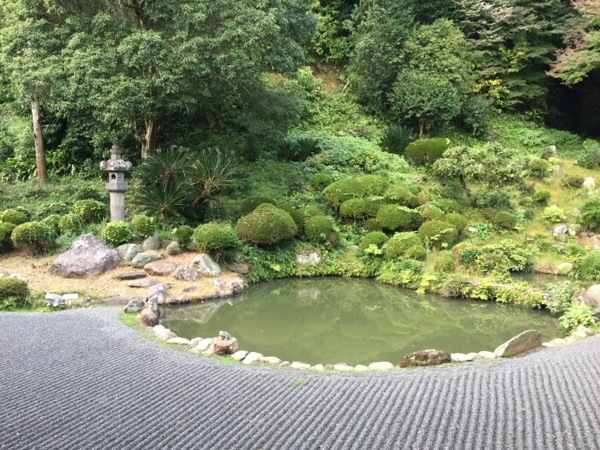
(152, 243)
(239, 355)
(128, 251)
(525, 341)
(225, 347)
(148, 318)
(252, 357)
(158, 293)
(206, 266)
(589, 184)
(135, 305)
(428, 357)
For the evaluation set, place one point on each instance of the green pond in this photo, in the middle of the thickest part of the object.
(356, 321)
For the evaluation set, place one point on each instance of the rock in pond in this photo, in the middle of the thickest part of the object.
(487, 355)
(148, 318)
(225, 346)
(460, 357)
(271, 360)
(178, 341)
(141, 259)
(206, 266)
(158, 293)
(342, 367)
(429, 357)
(525, 341)
(160, 268)
(204, 345)
(300, 365)
(88, 256)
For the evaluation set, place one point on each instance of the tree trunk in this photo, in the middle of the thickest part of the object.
(40, 154)
(149, 140)
(421, 126)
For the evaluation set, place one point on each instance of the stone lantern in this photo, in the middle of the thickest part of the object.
(116, 185)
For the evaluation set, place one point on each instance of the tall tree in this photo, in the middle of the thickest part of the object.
(582, 54)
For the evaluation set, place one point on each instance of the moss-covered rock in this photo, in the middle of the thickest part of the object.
(340, 191)
(266, 225)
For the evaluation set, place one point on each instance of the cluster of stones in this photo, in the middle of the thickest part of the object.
(5, 274)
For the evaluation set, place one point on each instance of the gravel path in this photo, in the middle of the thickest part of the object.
(83, 380)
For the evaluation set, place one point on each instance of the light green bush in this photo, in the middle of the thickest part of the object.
(431, 212)
(70, 223)
(374, 185)
(320, 181)
(373, 225)
(215, 236)
(458, 220)
(376, 238)
(34, 236)
(444, 264)
(340, 191)
(251, 203)
(400, 195)
(405, 245)
(426, 151)
(13, 216)
(437, 233)
(184, 235)
(266, 225)
(318, 228)
(394, 217)
(116, 233)
(353, 208)
(13, 293)
(554, 214)
(142, 225)
(91, 211)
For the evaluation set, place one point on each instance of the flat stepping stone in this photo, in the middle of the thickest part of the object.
(143, 283)
(160, 268)
(190, 289)
(130, 275)
(119, 300)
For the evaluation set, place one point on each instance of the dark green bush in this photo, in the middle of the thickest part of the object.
(13, 216)
(249, 204)
(6, 230)
(431, 212)
(573, 181)
(469, 255)
(444, 264)
(538, 168)
(298, 149)
(374, 185)
(491, 263)
(266, 225)
(394, 217)
(494, 199)
(589, 159)
(588, 268)
(542, 197)
(91, 211)
(215, 236)
(320, 181)
(400, 195)
(373, 225)
(353, 208)
(437, 233)
(395, 139)
(404, 245)
(311, 211)
(590, 214)
(70, 223)
(142, 225)
(450, 205)
(116, 233)
(13, 293)
(184, 235)
(458, 220)
(33, 236)
(372, 206)
(454, 286)
(426, 151)
(476, 113)
(52, 222)
(318, 229)
(504, 219)
(376, 238)
(338, 192)
(297, 215)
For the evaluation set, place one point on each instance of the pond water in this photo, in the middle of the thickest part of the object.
(356, 321)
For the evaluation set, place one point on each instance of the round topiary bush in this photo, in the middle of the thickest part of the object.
(338, 192)
(251, 203)
(504, 219)
(52, 222)
(394, 217)
(400, 195)
(215, 236)
(444, 264)
(183, 235)
(13, 216)
(542, 197)
(458, 220)
(374, 184)
(590, 214)
(437, 233)
(318, 229)
(373, 225)
(142, 225)
(372, 206)
(353, 208)
(33, 236)
(13, 289)
(491, 263)
(116, 233)
(468, 256)
(297, 215)
(417, 252)
(538, 168)
(376, 238)
(431, 212)
(449, 205)
(400, 244)
(311, 211)
(6, 229)
(554, 214)
(70, 223)
(91, 211)
(320, 181)
(426, 151)
(266, 225)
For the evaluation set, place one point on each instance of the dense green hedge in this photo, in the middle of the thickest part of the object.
(266, 225)
(426, 151)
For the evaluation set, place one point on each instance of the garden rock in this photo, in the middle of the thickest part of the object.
(206, 266)
(560, 229)
(239, 355)
(158, 293)
(179, 300)
(178, 341)
(146, 282)
(160, 268)
(558, 342)
(564, 268)
(487, 355)
(204, 345)
(239, 267)
(88, 256)
(219, 284)
(190, 289)
(308, 258)
(558, 170)
(130, 275)
(381, 365)
(187, 273)
(236, 286)
(16, 276)
(252, 357)
(141, 259)
(225, 346)
(3, 273)
(360, 368)
(428, 357)
(590, 298)
(298, 365)
(164, 335)
(135, 305)
(128, 251)
(589, 183)
(173, 249)
(271, 360)
(194, 342)
(148, 318)
(342, 367)
(525, 341)
(151, 243)
(317, 367)
(460, 357)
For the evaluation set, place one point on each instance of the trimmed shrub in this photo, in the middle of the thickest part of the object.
(142, 225)
(372, 206)
(373, 238)
(426, 151)
(116, 233)
(590, 214)
(573, 181)
(374, 184)
(6, 229)
(184, 234)
(297, 215)
(431, 212)
(318, 229)
(417, 252)
(13, 289)
(504, 219)
(311, 211)
(34, 236)
(589, 267)
(542, 197)
(340, 191)
(353, 208)
(320, 181)
(458, 220)
(214, 236)
(538, 168)
(475, 114)
(394, 217)
(437, 233)
(402, 245)
(373, 225)
(91, 211)
(449, 205)
(554, 214)
(491, 263)
(444, 264)
(266, 225)
(469, 255)
(400, 195)
(13, 216)
(251, 203)
(70, 223)
(52, 222)
(454, 286)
